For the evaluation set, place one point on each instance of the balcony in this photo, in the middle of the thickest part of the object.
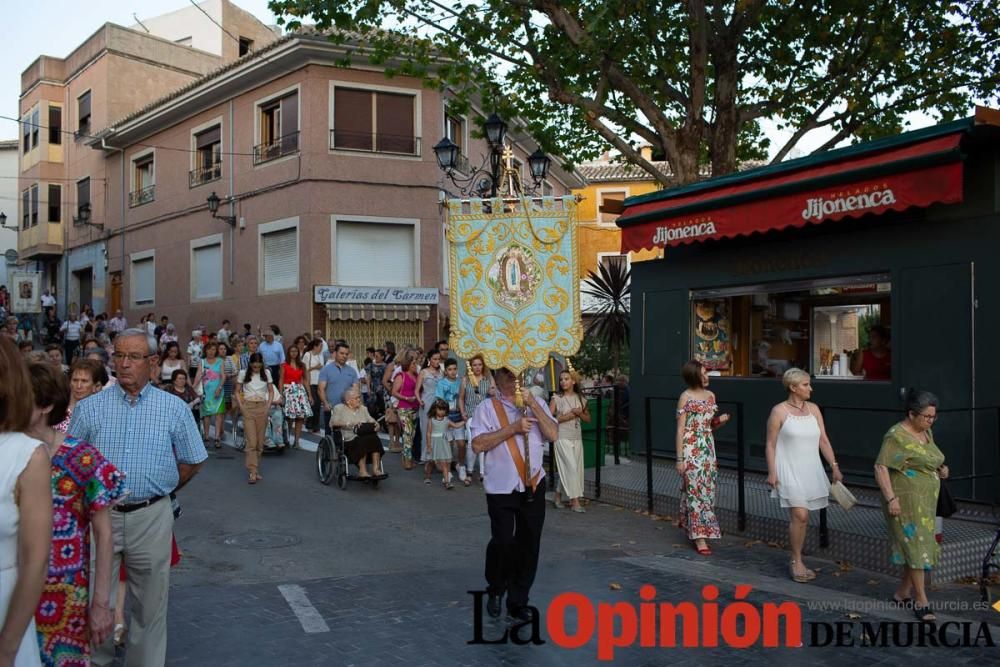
(285, 145)
(142, 196)
(374, 142)
(202, 175)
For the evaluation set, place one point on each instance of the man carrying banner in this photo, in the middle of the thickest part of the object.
(514, 441)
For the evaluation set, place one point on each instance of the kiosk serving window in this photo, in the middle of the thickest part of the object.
(822, 326)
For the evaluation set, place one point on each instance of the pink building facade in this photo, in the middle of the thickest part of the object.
(328, 178)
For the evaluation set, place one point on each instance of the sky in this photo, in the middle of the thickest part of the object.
(56, 27)
(33, 33)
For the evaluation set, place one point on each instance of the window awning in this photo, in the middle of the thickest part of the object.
(916, 169)
(377, 312)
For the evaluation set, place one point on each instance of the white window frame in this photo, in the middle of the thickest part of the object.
(278, 226)
(597, 210)
(205, 241)
(62, 122)
(258, 103)
(198, 129)
(337, 218)
(602, 255)
(418, 99)
(464, 148)
(134, 257)
(33, 128)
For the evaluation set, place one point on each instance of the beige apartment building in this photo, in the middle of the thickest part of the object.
(327, 184)
(64, 102)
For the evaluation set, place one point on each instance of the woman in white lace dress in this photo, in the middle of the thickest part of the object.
(25, 514)
(796, 436)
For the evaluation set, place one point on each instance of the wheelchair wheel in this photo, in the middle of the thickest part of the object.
(239, 435)
(324, 461)
(341, 474)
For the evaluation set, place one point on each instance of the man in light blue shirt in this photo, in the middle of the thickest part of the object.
(152, 438)
(274, 354)
(335, 379)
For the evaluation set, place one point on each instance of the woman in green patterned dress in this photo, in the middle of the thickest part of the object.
(908, 470)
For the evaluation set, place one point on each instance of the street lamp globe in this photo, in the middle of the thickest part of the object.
(538, 162)
(213, 203)
(446, 152)
(496, 129)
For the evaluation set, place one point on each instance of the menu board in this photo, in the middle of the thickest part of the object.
(711, 334)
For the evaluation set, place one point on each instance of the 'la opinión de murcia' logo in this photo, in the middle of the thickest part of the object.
(819, 208)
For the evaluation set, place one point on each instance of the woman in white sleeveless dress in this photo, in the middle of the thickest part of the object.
(796, 436)
(25, 514)
(569, 408)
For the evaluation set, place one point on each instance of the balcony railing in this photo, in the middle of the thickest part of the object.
(284, 145)
(374, 142)
(142, 196)
(204, 175)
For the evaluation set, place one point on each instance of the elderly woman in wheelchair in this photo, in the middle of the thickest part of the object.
(360, 435)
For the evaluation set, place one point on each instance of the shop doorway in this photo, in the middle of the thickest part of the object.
(362, 334)
(83, 283)
(116, 293)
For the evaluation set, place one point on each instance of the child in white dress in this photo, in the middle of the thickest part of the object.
(437, 448)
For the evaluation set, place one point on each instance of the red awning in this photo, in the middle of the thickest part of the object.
(894, 179)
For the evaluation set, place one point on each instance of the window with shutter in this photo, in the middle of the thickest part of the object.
(55, 125)
(358, 243)
(374, 120)
(34, 205)
(206, 266)
(394, 123)
(143, 281)
(278, 123)
(83, 113)
(280, 260)
(352, 119)
(55, 203)
(208, 156)
(605, 196)
(35, 125)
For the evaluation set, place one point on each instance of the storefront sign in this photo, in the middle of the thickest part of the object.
(426, 296)
(745, 207)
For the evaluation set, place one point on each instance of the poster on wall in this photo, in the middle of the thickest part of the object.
(712, 335)
(26, 295)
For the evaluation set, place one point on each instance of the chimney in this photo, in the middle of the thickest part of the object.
(646, 151)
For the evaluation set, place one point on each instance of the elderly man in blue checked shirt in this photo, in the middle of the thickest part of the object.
(150, 436)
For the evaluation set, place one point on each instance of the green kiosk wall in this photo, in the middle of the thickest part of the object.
(944, 267)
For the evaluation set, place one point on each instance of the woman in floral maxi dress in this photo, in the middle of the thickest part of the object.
(71, 614)
(696, 461)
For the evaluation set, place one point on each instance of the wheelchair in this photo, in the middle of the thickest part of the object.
(276, 439)
(332, 463)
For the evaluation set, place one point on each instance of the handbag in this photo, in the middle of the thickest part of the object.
(945, 503)
(391, 416)
(842, 496)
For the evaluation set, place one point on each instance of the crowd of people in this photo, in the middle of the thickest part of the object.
(69, 413)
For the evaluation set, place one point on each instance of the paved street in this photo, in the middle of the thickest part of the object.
(290, 572)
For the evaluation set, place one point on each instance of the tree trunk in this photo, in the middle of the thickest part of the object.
(725, 125)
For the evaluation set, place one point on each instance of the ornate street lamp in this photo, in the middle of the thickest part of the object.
(82, 217)
(488, 181)
(213, 208)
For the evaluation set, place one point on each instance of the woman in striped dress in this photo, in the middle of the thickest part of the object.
(476, 388)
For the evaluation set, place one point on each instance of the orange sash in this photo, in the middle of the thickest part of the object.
(515, 451)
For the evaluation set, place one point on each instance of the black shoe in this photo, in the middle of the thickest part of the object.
(493, 606)
(521, 614)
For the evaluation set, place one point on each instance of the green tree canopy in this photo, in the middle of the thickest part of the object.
(692, 78)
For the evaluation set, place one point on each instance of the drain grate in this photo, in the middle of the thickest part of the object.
(253, 539)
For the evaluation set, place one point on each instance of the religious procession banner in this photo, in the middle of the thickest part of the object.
(514, 288)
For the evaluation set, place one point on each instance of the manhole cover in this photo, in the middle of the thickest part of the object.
(259, 540)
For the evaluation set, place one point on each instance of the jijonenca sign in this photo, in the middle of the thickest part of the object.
(667, 234)
(819, 208)
(425, 296)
